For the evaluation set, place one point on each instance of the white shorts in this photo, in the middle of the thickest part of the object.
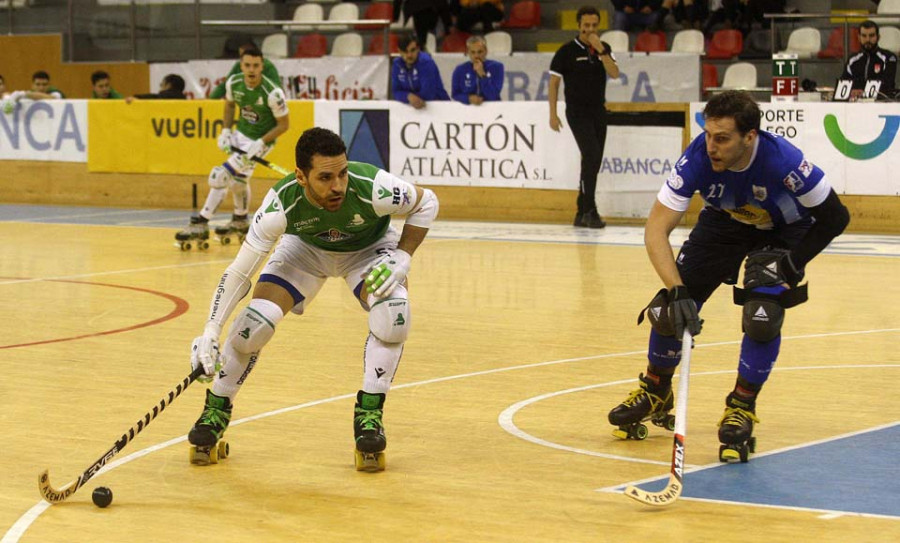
(302, 269)
(237, 162)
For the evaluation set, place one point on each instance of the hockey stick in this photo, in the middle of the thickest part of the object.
(55, 496)
(672, 490)
(259, 160)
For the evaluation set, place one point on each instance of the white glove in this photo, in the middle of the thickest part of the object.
(387, 273)
(225, 140)
(205, 352)
(256, 149)
(9, 103)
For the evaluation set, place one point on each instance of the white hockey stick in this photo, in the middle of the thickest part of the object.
(672, 490)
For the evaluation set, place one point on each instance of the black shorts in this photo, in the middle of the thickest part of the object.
(717, 246)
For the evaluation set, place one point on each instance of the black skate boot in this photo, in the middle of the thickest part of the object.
(646, 402)
(197, 230)
(736, 430)
(369, 431)
(237, 227)
(207, 446)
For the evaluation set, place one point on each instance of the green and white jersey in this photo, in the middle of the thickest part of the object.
(258, 106)
(373, 195)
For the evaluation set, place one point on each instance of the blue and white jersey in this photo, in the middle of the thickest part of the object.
(777, 187)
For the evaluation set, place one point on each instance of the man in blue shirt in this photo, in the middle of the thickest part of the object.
(478, 80)
(764, 202)
(415, 78)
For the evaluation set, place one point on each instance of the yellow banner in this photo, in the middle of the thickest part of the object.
(174, 136)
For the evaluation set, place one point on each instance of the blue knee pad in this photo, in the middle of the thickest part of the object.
(664, 351)
(758, 358)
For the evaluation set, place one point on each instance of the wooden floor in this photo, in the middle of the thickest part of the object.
(523, 338)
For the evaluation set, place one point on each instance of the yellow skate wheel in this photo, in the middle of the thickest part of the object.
(370, 462)
(203, 245)
(620, 433)
(200, 456)
(728, 453)
(223, 449)
(185, 246)
(226, 240)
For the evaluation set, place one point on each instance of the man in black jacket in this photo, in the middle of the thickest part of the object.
(871, 63)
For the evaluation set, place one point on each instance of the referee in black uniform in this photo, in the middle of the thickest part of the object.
(584, 64)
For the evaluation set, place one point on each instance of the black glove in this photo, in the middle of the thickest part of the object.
(683, 312)
(770, 266)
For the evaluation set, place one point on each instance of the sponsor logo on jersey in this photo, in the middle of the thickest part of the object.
(760, 193)
(306, 222)
(356, 220)
(681, 162)
(259, 101)
(274, 206)
(333, 235)
(249, 114)
(383, 193)
(675, 181)
(793, 182)
(806, 167)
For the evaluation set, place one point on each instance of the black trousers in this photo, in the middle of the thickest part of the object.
(717, 246)
(588, 125)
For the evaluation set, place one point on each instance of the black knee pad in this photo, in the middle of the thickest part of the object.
(762, 319)
(658, 313)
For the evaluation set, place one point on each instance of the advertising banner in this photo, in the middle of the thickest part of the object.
(502, 145)
(174, 136)
(659, 77)
(48, 130)
(853, 143)
(327, 78)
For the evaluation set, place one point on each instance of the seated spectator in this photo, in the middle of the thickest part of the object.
(471, 12)
(636, 14)
(728, 14)
(757, 9)
(687, 13)
(171, 88)
(478, 79)
(415, 78)
(41, 89)
(425, 15)
(102, 87)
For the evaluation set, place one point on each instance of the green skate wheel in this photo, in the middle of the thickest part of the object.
(640, 432)
(670, 423)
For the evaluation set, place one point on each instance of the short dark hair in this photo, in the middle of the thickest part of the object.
(40, 74)
(738, 105)
(252, 51)
(870, 24)
(407, 39)
(585, 10)
(175, 82)
(99, 75)
(317, 141)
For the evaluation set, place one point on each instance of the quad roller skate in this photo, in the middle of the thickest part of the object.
(236, 228)
(736, 429)
(639, 406)
(207, 446)
(196, 234)
(369, 432)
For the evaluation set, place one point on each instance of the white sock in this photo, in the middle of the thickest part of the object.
(213, 200)
(381, 361)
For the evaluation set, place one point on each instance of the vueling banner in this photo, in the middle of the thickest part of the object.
(174, 136)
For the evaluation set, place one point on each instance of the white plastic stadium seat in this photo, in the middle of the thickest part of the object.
(617, 40)
(688, 41)
(889, 38)
(275, 46)
(349, 44)
(891, 7)
(308, 13)
(740, 75)
(805, 42)
(430, 44)
(343, 12)
(498, 43)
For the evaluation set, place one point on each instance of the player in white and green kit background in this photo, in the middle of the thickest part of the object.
(333, 220)
(263, 116)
